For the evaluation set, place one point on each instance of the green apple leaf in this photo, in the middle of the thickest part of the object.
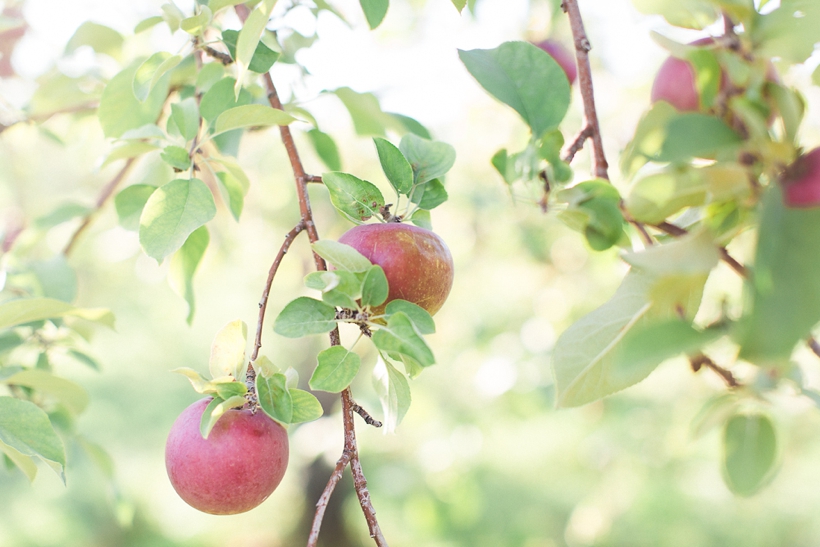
(186, 117)
(750, 450)
(524, 77)
(130, 202)
(411, 125)
(100, 38)
(251, 115)
(305, 316)
(120, 110)
(693, 135)
(695, 14)
(196, 24)
(785, 290)
(306, 407)
(428, 159)
(400, 336)
(422, 219)
(228, 351)
(177, 157)
(25, 463)
(275, 398)
(172, 213)
(145, 24)
(234, 192)
(151, 71)
(198, 381)
(336, 369)
(395, 166)
(374, 11)
(26, 428)
(249, 38)
(27, 310)
(84, 358)
(344, 257)
(263, 57)
(355, 198)
(220, 97)
(339, 288)
(217, 5)
(420, 318)
(65, 391)
(215, 409)
(374, 288)
(788, 32)
(128, 150)
(226, 390)
(459, 4)
(368, 116)
(326, 149)
(394, 393)
(429, 195)
(56, 278)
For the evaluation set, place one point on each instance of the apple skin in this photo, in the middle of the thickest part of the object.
(563, 57)
(675, 84)
(801, 185)
(232, 471)
(416, 262)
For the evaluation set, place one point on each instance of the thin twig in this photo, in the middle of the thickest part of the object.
(105, 194)
(701, 360)
(368, 419)
(813, 345)
(582, 47)
(577, 143)
(223, 58)
(263, 303)
(321, 505)
(313, 178)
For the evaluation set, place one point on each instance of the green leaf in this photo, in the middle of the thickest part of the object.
(196, 25)
(422, 219)
(176, 157)
(428, 159)
(27, 310)
(326, 149)
(184, 264)
(215, 409)
(172, 213)
(394, 393)
(263, 58)
(306, 407)
(186, 117)
(63, 213)
(128, 150)
(84, 358)
(305, 316)
(173, 16)
(339, 288)
(217, 5)
(120, 110)
(9, 340)
(234, 191)
(784, 301)
(420, 318)
(695, 14)
(750, 447)
(228, 351)
(400, 336)
(57, 279)
(151, 71)
(412, 125)
(26, 428)
(459, 4)
(275, 398)
(791, 106)
(368, 116)
(336, 369)
(24, 463)
(374, 287)
(220, 97)
(355, 198)
(130, 202)
(145, 24)
(649, 137)
(251, 115)
(198, 381)
(395, 166)
(693, 135)
(524, 77)
(429, 195)
(344, 257)
(100, 38)
(65, 391)
(374, 11)
(226, 390)
(789, 32)
(248, 39)
(594, 210)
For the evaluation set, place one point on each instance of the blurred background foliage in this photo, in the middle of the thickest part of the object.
(482, 458)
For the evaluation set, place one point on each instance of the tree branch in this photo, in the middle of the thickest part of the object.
(105, 194)
(368, 419)
(321, 505)
(577, 144)
(701, 360)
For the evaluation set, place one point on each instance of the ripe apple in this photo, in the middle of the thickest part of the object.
(232, 471)
(564, 58)
(801, 183)
(675, 82)
(416, 262)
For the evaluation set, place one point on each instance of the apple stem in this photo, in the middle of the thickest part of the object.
(577, 143)
(350, 454)
(701, 360)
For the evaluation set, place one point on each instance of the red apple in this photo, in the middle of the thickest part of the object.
(232, 471)
(675, 82)
(801, 184)
(416, 262)
(564, 58)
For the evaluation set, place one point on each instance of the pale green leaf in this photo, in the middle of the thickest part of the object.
(26, 310)
(26, 428)
(305, 316)
(184, 264)
(306, 407)
(151, 71)
(336, 369)
(120, 110)
(400, 336)
(228, 351)
(130, 202)
(395, 166)
(251, 115)
(100, 38)
(355, 198)
(750, 449)
(248, 39)
(394, 393)
(275, 398)
(374, 11)
(65, 391)
(428, 159)
(344, 257)
(215, 409)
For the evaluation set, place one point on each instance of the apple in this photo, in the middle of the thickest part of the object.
(232, 471)
(801, 183)
(416, 262)
(564, 58)
(675, 82)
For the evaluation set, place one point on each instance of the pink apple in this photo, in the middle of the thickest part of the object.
(232, 471)
(801, 184)
(416, 262)
(564, 58)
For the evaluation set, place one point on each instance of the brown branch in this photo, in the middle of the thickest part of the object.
(701, 360)
(368, 419)
(302, 179)
(321, 505)
(263, 303)
(223, 58)
(577, 143)
(104, 196)
(582, 47)
(313, 178)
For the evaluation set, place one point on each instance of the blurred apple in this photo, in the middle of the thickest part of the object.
(801, 184)
(564, 58)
